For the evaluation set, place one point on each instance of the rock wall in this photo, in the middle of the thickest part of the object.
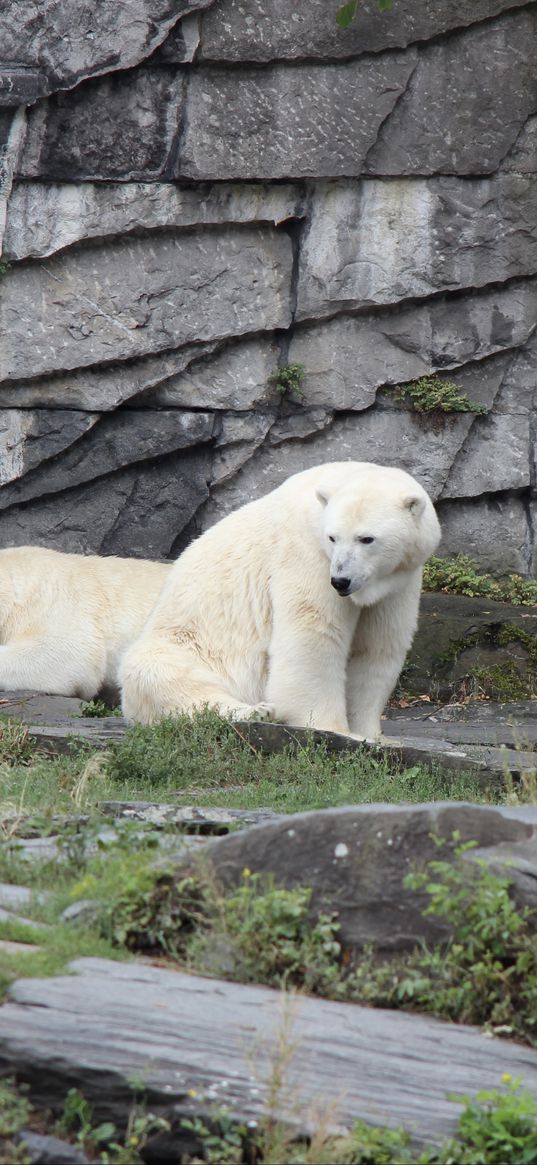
(193, 193)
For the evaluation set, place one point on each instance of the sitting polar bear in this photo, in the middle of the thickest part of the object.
(65, 619)
(301, 605)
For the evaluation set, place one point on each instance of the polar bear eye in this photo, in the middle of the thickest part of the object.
(366, 540)
(331, 538)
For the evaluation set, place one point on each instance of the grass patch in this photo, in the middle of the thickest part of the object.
(209, 756)
(460, 576)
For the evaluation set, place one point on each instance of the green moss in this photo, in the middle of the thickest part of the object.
(431, 394)
(460, 576)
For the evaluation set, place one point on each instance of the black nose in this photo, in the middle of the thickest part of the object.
(341, 585)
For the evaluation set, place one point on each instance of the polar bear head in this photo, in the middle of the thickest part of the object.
(374, 526)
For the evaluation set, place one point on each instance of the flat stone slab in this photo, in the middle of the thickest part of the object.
(200, 1043)
(187, 817)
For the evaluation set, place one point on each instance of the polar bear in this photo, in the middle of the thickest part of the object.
(65, 619)
(301, 605)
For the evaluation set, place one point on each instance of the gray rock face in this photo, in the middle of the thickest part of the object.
(465, 85)
(45, 217)
(75, 135)
(65, 41)
(139, 296)
(265, 30)
(288, 122)
(380, 242)
(198, 192)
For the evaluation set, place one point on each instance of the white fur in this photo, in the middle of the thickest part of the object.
(66, 619)
(249, 622)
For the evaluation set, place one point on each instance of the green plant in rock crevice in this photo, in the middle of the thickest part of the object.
(287, 380)
(431, 394)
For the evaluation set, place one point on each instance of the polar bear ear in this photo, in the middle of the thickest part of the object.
(321, 497)
(415, 504)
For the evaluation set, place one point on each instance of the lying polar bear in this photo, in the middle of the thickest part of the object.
(301, 605)
(66, 619)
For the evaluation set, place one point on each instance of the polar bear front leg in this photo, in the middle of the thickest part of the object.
(382, 638)
(307, 673)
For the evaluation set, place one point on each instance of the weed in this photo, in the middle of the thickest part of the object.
(15, 1111)
(265, 935)
(460, 576)
(16, 744)
(288, 380)
(4, 267)
(98, 709)
(486, 975)
(432, 394)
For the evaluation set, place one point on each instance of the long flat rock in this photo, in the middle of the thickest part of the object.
(202, 1043)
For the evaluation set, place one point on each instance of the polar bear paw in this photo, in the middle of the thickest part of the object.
(253, 712)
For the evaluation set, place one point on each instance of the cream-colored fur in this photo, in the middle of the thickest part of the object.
(65, 619)
(249, 622)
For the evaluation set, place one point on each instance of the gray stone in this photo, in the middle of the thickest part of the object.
(264, 30)
(45, 216)
(200, 1042)
(187, 817)
(495, 456)
(181, 44)
(494, 531)
(13, 897)
(466, 102)
(44, 1150)
(234, 377)
(104, 388)
(11, 916)
(33, 707)
(282, 122)
(75, 135)
(12, 135)
(522, 157)
(19, 86)
(380, 242)
(346, 359)
(27, 438)
(83, 912)
(124, 513)
(131, 298)
(355, 860)
(69, 40)
(119, 439)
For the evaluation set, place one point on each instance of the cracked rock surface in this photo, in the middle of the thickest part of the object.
(195, 193)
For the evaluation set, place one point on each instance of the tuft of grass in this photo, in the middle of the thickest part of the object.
(431, 394)
(460, 576)
(16, 744)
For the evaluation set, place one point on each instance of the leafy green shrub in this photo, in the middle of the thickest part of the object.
(288, 380)
(460, 576)
(487, 974)
(432, 394)
(267, 936)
